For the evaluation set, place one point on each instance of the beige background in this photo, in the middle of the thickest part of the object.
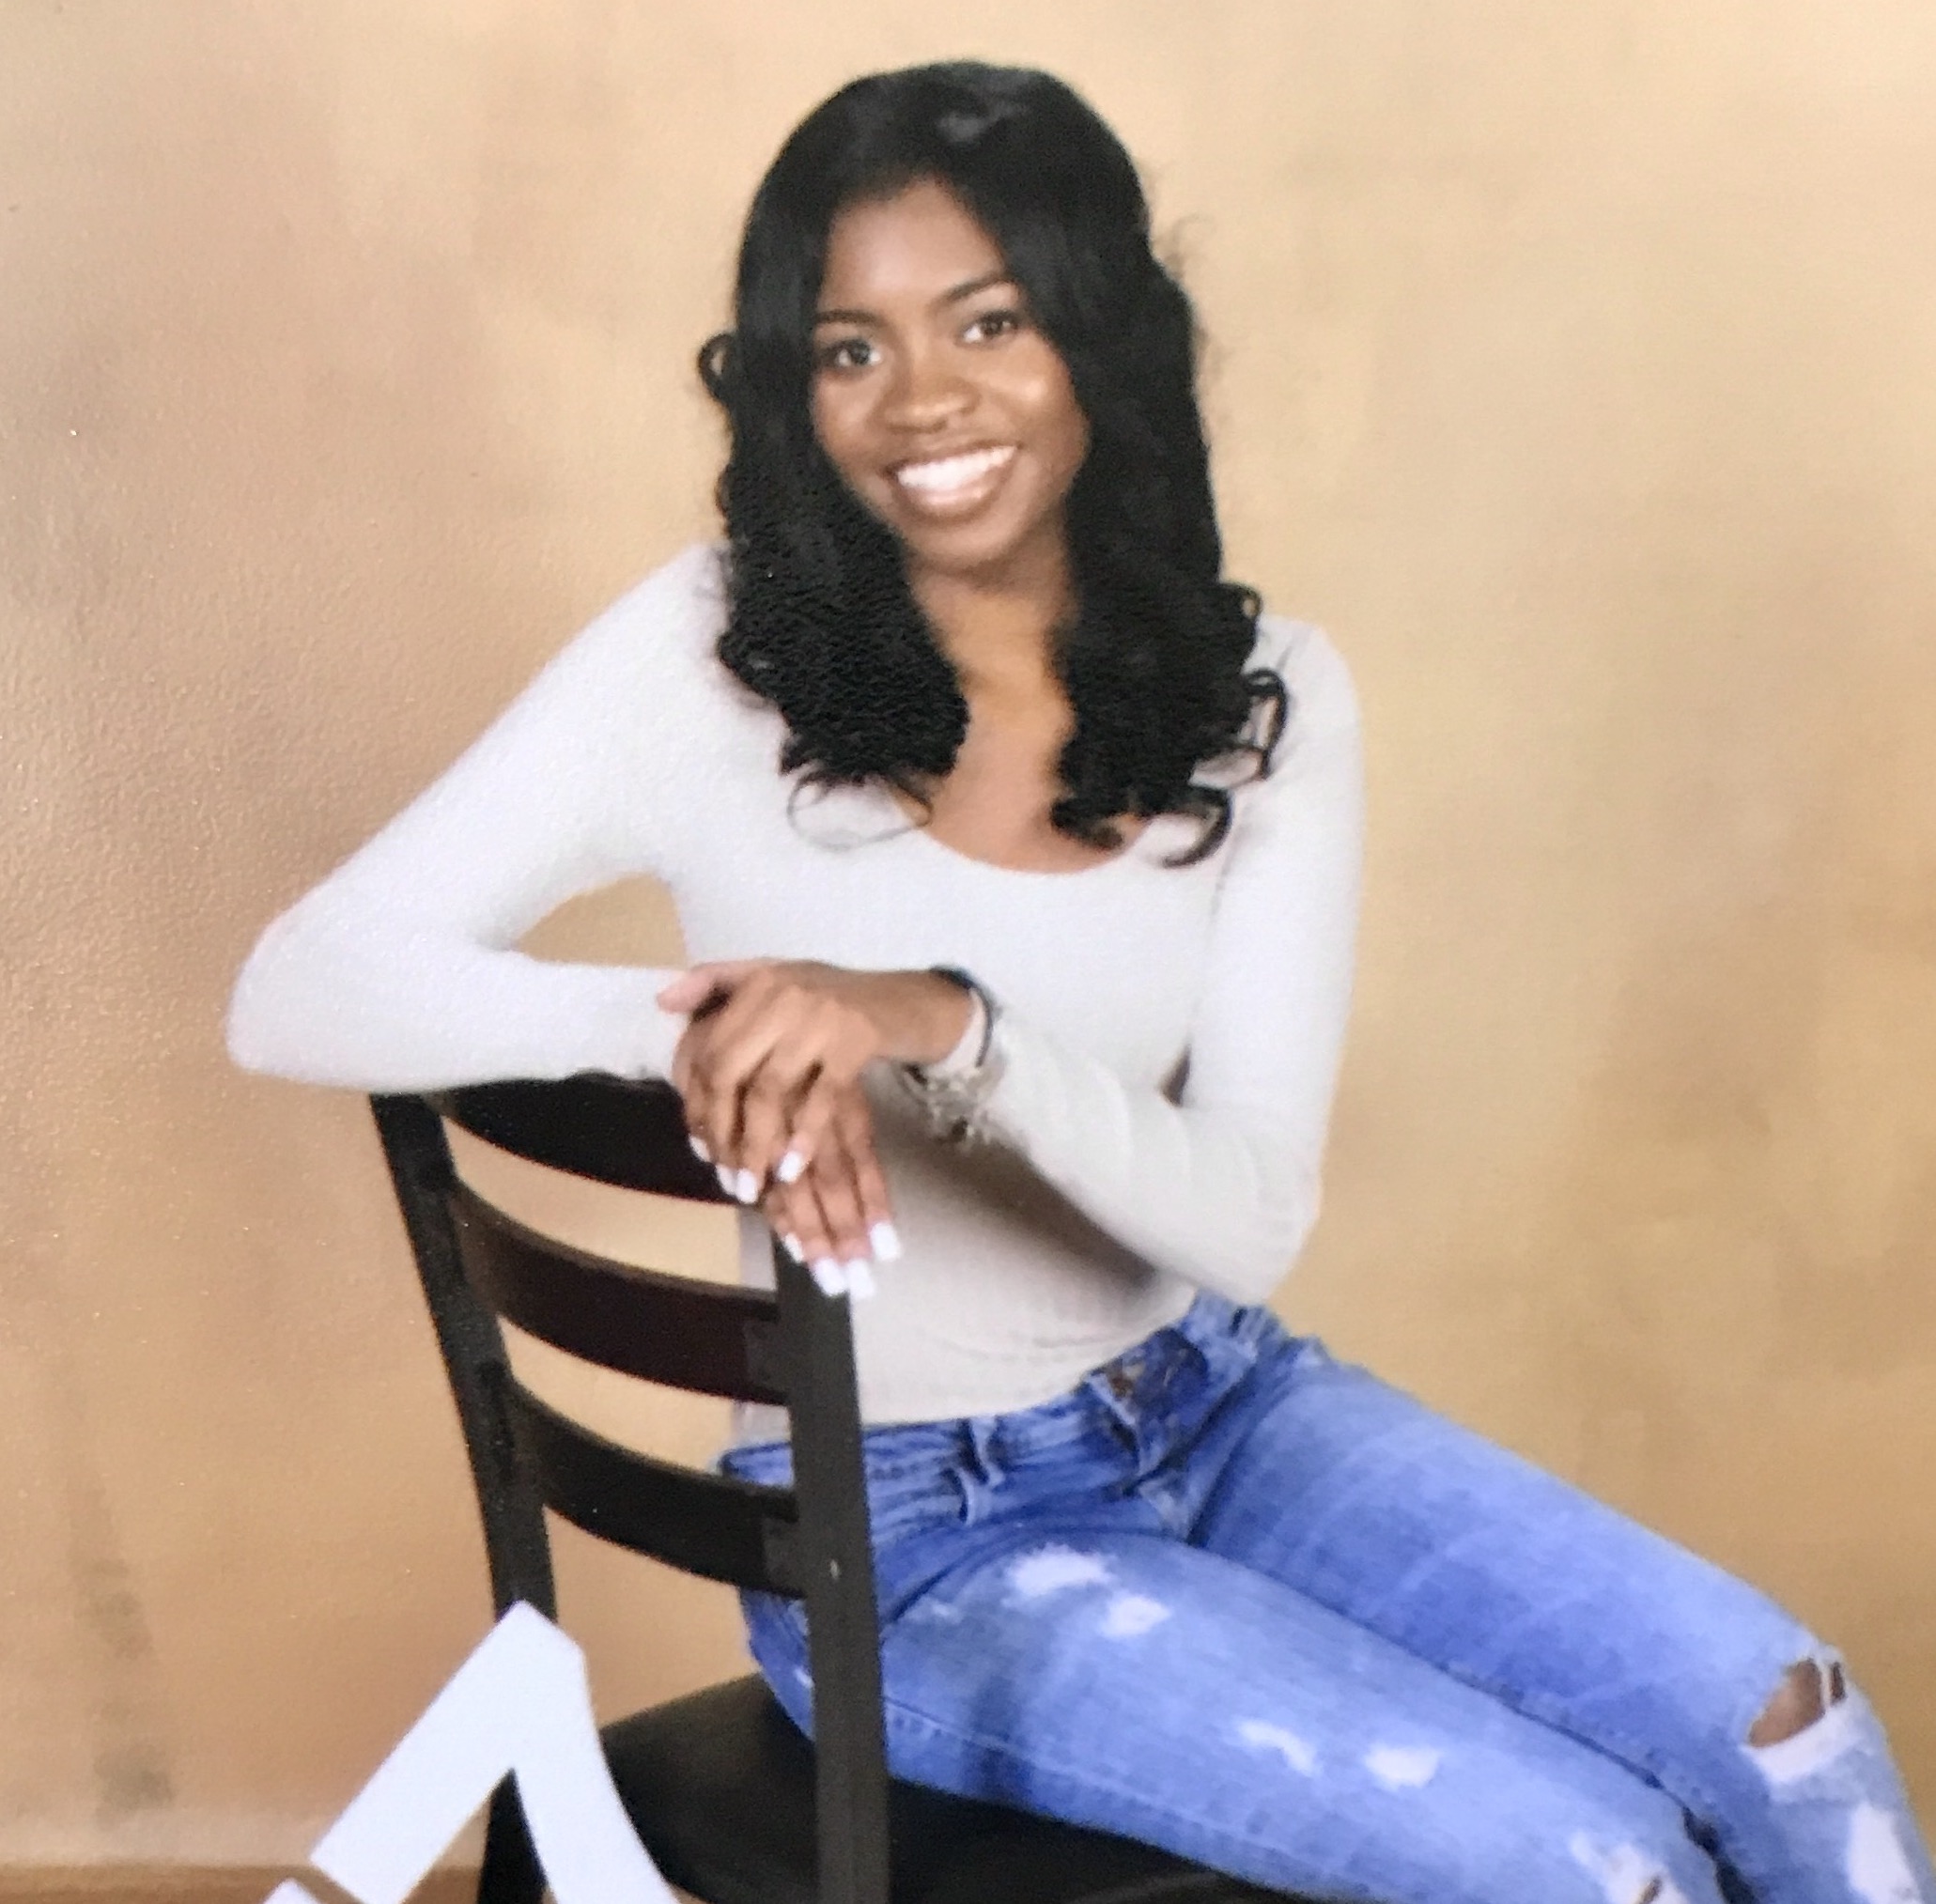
(1576, 366)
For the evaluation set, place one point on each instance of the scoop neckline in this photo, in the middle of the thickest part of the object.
(1132, 853)
(954, 853)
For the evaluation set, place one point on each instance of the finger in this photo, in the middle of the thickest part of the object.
(816, 1108)
(773, 1045)
(796, 1216)
(779, 1208)
(833, 1176)
(697, 983)
(726, 1053)
(684, 993)
(770, 1097)
(687, 1078)
(681, 1077)
(876, 1207)
(848, 1188)
(854, 1122)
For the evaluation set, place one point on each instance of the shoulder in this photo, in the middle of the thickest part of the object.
(672, 616)
(654, 648)
(1316, 768)
(1324, 698)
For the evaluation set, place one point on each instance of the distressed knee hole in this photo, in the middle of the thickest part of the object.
(1808, 1689)
(1627, 1875)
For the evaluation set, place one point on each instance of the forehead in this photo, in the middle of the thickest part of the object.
(919, 244)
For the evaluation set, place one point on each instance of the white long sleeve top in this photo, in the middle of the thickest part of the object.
(1173, 1034)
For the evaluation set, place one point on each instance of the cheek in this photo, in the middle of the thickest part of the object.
(1078, 441)
(1060, 425)
(1065, 435)
(839, 430)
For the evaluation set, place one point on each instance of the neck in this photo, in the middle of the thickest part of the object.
(999, 629)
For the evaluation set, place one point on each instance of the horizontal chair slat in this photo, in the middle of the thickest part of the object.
(613, 1129)
(711, 1337)
(725, 1528)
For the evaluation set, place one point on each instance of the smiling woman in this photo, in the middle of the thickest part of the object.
(920, 283)
(940, 401)
(951, 418)
(1145, 1561)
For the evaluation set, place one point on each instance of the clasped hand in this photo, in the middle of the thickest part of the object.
(770, 1070)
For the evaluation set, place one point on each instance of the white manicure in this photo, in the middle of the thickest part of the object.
(747, 1187)
(830, 1276)
(791, 1244)
(725, 1177)
(860, 1279)
(790, 1167)
(886, 1242)
(700, 1151)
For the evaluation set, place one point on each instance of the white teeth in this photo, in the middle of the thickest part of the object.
(947, 473)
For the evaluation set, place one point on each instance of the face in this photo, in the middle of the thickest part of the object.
(945, 410)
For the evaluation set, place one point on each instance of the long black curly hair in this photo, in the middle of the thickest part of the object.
(821, 620)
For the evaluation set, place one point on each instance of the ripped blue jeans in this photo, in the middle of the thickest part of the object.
(1237, 1599)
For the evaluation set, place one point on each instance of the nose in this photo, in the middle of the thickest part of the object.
(927, 393)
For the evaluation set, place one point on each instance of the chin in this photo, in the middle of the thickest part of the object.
(968, 550)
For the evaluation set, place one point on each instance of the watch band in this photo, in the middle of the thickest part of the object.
(980, 1027)
(953, 1094)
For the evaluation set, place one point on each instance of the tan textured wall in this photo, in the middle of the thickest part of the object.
(1573, 365)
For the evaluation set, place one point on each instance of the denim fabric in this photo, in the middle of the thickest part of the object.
(1241, 1599)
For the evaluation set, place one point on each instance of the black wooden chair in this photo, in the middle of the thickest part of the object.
(733, 1805)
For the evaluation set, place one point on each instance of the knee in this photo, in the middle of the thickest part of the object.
(1803, 1698)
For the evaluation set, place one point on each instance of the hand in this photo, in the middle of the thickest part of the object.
(769, 1068)
(835, 1216)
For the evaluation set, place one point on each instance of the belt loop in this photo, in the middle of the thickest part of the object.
(1118, 1407)
(1213, 1328)
(982, 1432)
(976, 1472)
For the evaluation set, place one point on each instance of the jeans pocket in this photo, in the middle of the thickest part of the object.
(776, 1632)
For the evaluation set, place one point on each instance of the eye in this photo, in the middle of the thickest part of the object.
(844, 353)
(1001, 322)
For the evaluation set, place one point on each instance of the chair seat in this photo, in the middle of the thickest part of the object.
(719, 1786)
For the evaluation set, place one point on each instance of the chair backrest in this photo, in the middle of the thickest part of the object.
(794, 1347)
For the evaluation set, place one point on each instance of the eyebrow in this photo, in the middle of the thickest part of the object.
(987, 281)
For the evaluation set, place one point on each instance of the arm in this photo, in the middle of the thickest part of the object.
(1223, 1187)
(398, 971)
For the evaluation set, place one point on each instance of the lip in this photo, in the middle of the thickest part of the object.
(939, 491)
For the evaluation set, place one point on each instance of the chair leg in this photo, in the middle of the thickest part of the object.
(511, 1873)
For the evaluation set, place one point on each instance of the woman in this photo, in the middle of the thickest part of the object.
(1020, 852)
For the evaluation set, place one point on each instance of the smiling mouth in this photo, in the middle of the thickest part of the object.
(964, 477)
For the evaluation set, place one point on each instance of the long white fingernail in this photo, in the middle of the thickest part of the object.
(790, 1167)
(791, 1244)
(886, 1242)
(726, 1183)
(830, 1276)
(860, 1279)
(746, 1186)
(700, 1151)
